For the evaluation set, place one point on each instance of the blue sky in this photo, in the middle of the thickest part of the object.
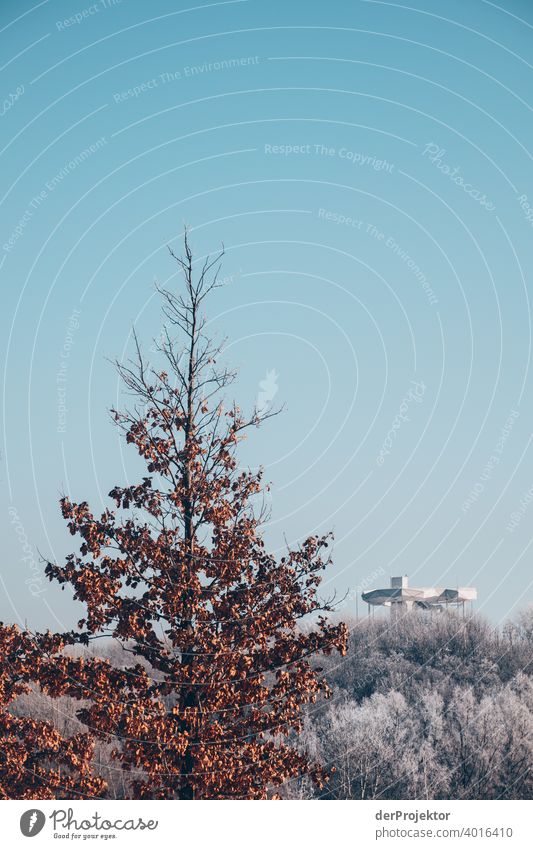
(367, 166)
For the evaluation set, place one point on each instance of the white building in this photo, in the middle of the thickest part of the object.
(401, 597)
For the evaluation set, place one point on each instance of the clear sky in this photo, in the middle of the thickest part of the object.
(368, 167)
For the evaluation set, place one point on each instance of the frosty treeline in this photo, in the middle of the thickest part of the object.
(432, 707)
(429, 707)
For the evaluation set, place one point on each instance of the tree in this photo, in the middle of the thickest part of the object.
(382, 748)
(178, 573)
(36, 761)
(491, 742)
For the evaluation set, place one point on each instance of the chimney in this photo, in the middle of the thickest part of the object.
(399, 583)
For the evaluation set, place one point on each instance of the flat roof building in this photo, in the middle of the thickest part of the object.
(401, 595)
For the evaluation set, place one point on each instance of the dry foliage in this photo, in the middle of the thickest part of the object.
(178, 574)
